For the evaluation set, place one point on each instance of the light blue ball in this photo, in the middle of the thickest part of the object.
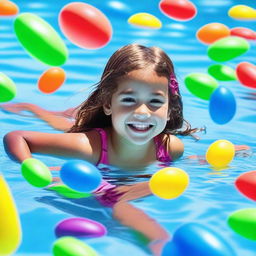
(222, 106)
(194, 239)
(80, 175)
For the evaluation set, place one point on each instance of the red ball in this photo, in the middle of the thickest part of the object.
(246, 184)
(181, 10)
(246, 74)
(243, 32)
(85, 25)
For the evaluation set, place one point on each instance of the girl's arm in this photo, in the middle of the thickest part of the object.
(19, 145)
(175, 147)
(57, 119)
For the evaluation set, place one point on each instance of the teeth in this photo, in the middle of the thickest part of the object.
(141, 126)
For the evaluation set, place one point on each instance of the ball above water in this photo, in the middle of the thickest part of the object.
(80, 175)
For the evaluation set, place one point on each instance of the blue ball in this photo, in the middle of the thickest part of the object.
(80, 175)
(197, 240)
(222, 106)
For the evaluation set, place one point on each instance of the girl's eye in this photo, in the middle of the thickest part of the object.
(128, 100)
(156, 101)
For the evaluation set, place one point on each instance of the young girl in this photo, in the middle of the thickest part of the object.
(129, 121)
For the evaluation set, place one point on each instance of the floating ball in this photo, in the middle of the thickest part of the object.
(181, 10)
(65, 191)
(242, 12)
(80, 175)
(40, 39)
(36, 172)
(246, 74)
(243, 32)
(169, 183)
(222, 105)
(243, 222)
(212, 32)
(228, 48)
(145, 20)
(69, 246)
(51, 80)
(80, 227)
(222, 72)
(201, 85)
(195, 239)
(220, 153)
(8, 8)
(85, 25)
(7, 88)
(10, 231)
(246, 184)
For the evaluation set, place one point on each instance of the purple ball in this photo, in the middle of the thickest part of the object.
(80, 227)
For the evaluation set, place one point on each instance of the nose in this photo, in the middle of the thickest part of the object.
(142, 112)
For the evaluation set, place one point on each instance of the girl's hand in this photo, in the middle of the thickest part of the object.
(17, 107)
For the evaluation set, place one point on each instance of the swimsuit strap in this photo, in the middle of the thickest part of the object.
(162, 154)
(104, 146)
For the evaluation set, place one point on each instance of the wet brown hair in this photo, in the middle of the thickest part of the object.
(128, 58)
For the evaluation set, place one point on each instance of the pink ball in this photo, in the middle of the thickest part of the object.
(85, 25)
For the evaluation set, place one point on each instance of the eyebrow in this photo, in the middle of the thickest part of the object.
(132, 93)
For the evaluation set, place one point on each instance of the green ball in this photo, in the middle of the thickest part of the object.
(222, 72)
(227, 48)
(201, 85)
(69, 246)
(7, 88)
(243, 222)
(36, 173)
(40, 39)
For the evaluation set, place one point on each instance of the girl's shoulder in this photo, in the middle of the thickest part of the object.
(175, 146)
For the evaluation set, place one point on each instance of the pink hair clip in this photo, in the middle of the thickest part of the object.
(174, 85)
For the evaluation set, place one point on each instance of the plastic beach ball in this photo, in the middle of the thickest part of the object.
(243, 222)
(80, 175)
(222, 72)
(169, 183)
(243, 32)
(70, 246)
(222, 105)
(7, 88)
(242, 12)
(212, 32)
(220, 153)
(36, 172)
(195, 239)
(80, 227)
(145, 20)
(51, 80)
(201, 85)
(40, 39)
(228, 48)
(10, 231)
(84, 25)
(8, 8)
(246, 73)
(246, 184)
(181, 10)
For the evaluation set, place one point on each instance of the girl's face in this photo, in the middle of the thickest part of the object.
(139, 107)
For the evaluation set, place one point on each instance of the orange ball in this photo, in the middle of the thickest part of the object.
(8, 8)
(212, 32)
(51, 80)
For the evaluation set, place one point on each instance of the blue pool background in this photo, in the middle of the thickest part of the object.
(211, 195)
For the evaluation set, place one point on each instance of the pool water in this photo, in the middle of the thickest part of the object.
(211, 196)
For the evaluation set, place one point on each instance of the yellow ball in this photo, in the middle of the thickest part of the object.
(242, 12)
(10, 228)
(220, 153)
(169, 182)
(145, 20)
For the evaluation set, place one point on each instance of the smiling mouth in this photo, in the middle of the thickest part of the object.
(140, 127)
